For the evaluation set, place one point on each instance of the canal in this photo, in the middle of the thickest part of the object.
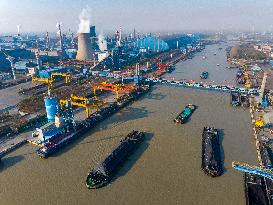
(166, 167)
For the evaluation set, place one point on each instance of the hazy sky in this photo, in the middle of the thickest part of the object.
(145, 15)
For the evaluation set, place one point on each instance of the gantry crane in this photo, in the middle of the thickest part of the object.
(117, 88)
(68, 76)
(48, 81)
(87, 103)
(257, 170)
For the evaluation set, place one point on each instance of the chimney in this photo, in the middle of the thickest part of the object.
(85, 51)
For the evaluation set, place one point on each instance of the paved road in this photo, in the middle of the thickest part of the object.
(10, 97)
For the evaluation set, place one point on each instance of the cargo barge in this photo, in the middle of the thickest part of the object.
(211, 154)
(103, 173)
(185, 114)
(235, 99)
(255, 190)
(53, 145)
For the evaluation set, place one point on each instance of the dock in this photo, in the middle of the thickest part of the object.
(7, 145)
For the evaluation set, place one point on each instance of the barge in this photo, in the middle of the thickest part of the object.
(235, 99)
(255, 190)
(55, 143)
(185, 114)
(211, 154)
(103, 173)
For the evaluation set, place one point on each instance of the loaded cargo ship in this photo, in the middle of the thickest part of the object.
(63, 136)
(185, 114)
(255, 190)
(235, 99)
(103, 173)
(211, 154)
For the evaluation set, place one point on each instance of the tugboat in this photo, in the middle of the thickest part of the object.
(204, 75)
(211, 158)
(103, 173)
(185, 114)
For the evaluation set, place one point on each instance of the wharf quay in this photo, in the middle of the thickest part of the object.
(7, 145)
(195, 85)
(262, 152)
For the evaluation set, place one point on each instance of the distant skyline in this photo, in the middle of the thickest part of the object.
(144, 15)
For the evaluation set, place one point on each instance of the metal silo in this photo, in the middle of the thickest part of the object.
(51, 105)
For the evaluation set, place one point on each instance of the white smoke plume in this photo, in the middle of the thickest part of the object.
(18, 28)
(84, 24)
(58, 26)
(102, 42)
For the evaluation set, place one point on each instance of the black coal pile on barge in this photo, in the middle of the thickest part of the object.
(103, 173)
(211, 154)
(255, 190)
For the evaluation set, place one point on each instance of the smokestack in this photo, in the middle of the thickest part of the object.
(18, 30)
(117, 39)
(85, 51)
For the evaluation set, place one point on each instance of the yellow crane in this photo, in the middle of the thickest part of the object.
(48, 81)
(68, 76)
(259, 123)
(87, 103)
(248, 83)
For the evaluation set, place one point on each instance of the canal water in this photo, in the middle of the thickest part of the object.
(166, 167)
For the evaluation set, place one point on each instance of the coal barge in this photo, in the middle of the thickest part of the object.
(185, 114)
(63, 138)
(103, 173)
(211, 154)
(255, 190)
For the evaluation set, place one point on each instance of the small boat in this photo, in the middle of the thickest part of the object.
(204, 57)
(185, 114)
(204, 75)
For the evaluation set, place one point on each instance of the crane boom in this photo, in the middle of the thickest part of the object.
(257, 170)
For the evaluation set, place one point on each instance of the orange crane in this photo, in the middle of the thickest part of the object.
(87, 103)
(117, 88)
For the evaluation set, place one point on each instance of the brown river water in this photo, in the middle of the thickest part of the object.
(165, 169)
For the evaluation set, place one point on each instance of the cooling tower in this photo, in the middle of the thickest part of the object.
(85, 51)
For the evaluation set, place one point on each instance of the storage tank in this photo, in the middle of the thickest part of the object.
(51, 105)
